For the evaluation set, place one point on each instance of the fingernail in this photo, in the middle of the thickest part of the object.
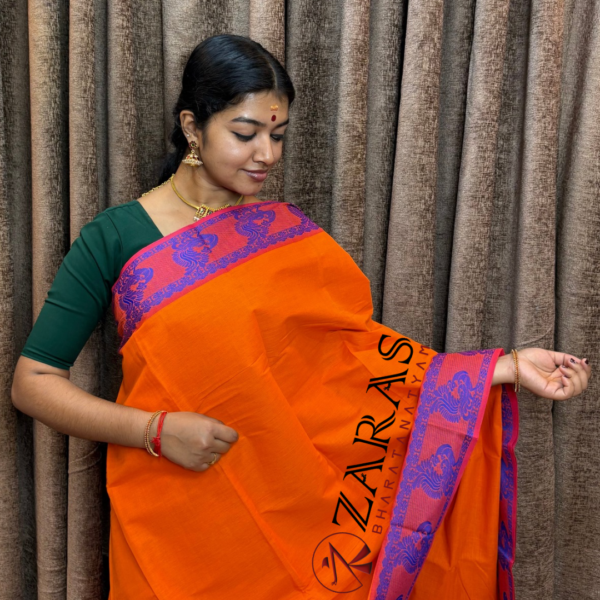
(587, 362)
(572, 360)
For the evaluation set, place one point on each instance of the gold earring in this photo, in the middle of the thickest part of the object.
(192, 158)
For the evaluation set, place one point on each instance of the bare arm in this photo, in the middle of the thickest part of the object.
(46, 394)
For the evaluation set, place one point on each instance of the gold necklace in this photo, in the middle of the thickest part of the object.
(202, 210)
(155, 188)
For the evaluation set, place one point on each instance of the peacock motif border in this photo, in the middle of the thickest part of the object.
(176, 264)
(436, 475)
(507, 533)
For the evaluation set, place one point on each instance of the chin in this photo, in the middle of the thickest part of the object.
(251, 190)
(246, 190)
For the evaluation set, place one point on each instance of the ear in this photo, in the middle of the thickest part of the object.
(188, 125)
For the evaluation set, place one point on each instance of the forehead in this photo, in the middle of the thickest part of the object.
(258, 102)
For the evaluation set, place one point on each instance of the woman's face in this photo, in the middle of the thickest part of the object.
(243, 143)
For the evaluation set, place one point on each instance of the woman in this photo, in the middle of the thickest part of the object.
(270, 440)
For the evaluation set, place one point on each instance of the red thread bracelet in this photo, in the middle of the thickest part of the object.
(156, 440)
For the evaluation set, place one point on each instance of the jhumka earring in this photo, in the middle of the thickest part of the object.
(192, 158)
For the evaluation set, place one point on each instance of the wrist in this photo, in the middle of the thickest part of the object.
(150, 431)
(138, 426)
(153, 430)
(504, 371)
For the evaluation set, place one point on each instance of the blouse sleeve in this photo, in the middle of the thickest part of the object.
(79, 296)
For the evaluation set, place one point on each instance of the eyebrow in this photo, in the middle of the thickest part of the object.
(254, 122)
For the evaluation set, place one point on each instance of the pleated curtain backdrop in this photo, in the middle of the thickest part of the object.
(452, 148)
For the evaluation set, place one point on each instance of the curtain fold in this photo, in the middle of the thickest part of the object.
(10, 532)
(135, 97)
(576, 427)
(312, 60)
(265, 23)
(17, 497)
(450, 146)
(386, 45)
(534, 297)
(457, 44)
(348, 194)
(87, 174)
(474, 204)
(408, 284)
(49, 102)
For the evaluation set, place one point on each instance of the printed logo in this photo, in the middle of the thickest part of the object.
(339, 560)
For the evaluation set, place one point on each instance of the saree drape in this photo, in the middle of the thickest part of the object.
(367, 466)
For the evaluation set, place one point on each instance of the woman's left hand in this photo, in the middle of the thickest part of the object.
(553, 375)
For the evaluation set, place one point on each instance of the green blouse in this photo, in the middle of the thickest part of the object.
(82, 289)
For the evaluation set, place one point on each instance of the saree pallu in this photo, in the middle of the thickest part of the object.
(367, 465)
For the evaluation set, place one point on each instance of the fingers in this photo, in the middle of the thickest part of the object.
(220, 447)
(584, 373)
(562, 358)
(567, 379)
(574, 376)
(204, 464)
(212, 419)
(585, 363)
(216, 440)
(224, 433)
(193, 440)
(213, 456)
(203, 467)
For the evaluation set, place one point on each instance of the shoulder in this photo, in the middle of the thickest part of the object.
(282, 205)
(298, 211)
(107, 220)
(121, 222)
(105, 240)
(120, 213)
(98, 247)
(119, 232)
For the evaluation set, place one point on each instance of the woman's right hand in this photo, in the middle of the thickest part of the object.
(189, 439)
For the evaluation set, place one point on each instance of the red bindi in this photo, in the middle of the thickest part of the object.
(273, 118)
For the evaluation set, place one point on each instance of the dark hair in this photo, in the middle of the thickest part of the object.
(220, 73)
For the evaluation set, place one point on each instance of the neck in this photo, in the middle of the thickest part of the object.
(192, 184)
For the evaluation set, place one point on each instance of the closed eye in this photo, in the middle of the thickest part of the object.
(247, 138)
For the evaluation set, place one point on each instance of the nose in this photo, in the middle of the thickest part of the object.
(264, 153)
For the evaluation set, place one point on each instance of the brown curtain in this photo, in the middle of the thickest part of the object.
(452, 148)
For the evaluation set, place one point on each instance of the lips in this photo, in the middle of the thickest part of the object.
(257, 175)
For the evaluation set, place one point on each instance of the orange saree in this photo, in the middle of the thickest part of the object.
(367, 466)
